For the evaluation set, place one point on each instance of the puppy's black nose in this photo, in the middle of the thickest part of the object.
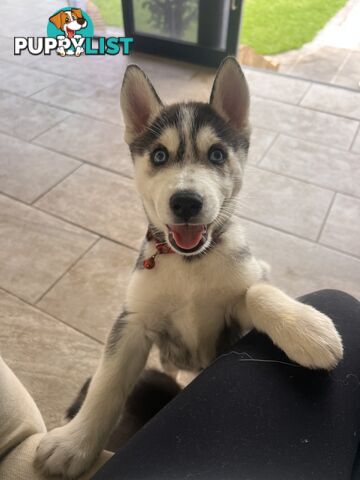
(186, 204)
(81, 21)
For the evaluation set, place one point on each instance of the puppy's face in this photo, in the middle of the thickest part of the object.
(188, 158)
(69, 21)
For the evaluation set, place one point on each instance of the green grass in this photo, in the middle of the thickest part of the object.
(268, 26)
(111, 12)
(274, 26)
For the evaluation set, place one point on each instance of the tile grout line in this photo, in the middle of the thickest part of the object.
(35, 68)
(53, 317)
(267, 150)
(61, 109)
(299, 237)
(73, 264)
(326, 218)
(83, 161)
(81, 227)
(304, 79)
(354, 140)
(30, 140)
(307, 182)
(56, 184)
(278, 229)
(67, 155)
(308, 108)
(58, 217)
(286, 175)
(304, 94)
(44, 88)
(307, 140)
(341, 66)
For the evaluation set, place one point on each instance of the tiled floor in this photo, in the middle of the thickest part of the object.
(333, 56)
(70, 220)
(337, 66)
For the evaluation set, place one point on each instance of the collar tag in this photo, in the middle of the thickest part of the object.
(161, 248)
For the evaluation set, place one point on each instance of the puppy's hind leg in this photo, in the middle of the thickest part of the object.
(306, 335)
(70, 450)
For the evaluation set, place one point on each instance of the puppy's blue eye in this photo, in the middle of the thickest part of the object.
(159, 156)
(217, 156)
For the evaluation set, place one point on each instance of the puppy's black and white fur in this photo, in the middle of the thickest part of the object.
(189, 163)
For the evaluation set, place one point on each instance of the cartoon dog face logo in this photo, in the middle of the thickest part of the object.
(70, 22)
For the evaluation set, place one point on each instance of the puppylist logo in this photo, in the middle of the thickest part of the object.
(70, 31)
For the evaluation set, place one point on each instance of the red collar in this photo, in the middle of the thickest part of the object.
(161, 248)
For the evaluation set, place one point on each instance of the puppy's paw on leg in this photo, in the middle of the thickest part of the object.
(306, 335)
(313, 341)
(64, 452)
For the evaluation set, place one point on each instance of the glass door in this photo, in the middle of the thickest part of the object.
(198, 31)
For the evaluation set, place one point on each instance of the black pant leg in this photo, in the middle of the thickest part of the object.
(255, 415)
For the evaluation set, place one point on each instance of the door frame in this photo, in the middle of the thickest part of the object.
(180, 49)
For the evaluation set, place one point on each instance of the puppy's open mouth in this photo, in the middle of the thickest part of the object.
(70, 33)
(186, 237)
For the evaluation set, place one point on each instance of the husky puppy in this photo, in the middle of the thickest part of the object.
(189, 163)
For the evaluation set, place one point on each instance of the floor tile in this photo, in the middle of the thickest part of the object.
(94, 289)
(105, 71)
(158, 67)
(178, 90)
(25, 81)
(284, 203)
(260, 141)
(349, 74)
(51, 359)
(299, 266)
(275, 86)
(333, 100)
(35, 249)
(300, 122)
(86, 98)
(25, 118)
(108, 70)
(90, 140)
(342, 228)
(100, 201)
(28, 171)
(7, 52)
(262, 84)
(320, 65)
(6, 69)
(323, 166)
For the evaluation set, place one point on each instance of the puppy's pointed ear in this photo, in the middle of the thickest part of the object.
(140, 103)
(230, 94)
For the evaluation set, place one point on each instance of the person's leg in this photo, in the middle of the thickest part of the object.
(254, 414)
(19, 415)
(21, 429)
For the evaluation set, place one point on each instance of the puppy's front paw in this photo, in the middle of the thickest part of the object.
(64, 452)
(311, 339)
(306, 335)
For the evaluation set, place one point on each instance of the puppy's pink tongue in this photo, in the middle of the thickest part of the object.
(187, 236)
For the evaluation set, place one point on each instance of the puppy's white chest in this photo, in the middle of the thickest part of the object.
(187, 306)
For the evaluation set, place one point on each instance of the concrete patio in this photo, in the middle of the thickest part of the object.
(71, 222)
